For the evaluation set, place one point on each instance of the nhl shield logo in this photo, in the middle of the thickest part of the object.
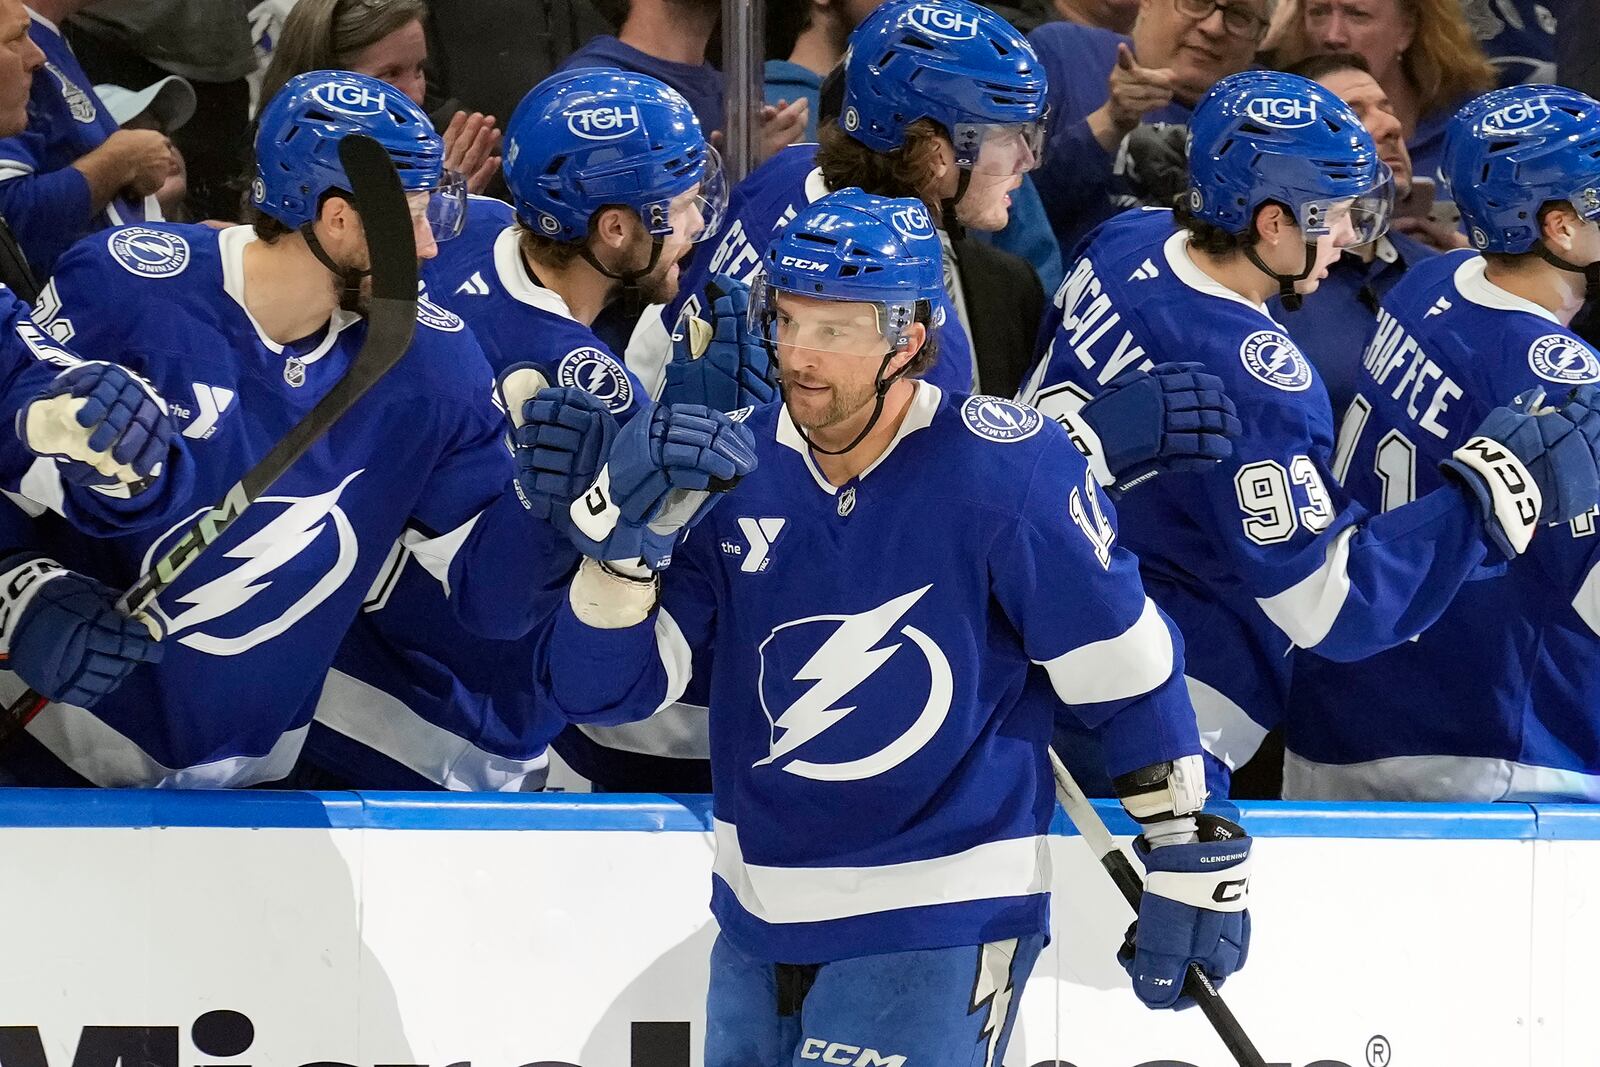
(1559, 358)
(1272, 358)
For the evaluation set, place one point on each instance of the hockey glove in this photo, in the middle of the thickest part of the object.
(661, 476)
(558, 438)
(61, 632)
(1173, 418)
(1194, 910)
(105, 426)
(720, 364)
(1528, 464)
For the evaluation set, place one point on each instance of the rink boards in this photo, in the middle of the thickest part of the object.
(285, 929)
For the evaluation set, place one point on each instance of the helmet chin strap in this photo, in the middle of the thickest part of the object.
(1591, 273)
(1286, 282)
(349, 277)
(881, 388)
(947, 207)
(631, 299)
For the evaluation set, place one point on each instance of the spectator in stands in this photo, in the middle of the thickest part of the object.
(810, 37)
(1518, 36)
(1421, 51)
(1333, 330)
(1029, 15)
(1104, 85)
(384, 41)
(72, 172)
(138, 42)
(667, 40)
(163, 107)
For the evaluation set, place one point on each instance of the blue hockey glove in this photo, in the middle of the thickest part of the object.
(558, 439)
(1176, 417)
(62, 633)
(104, 425)
(1529, 464)
(662, 475)
(720, 364)
(1194, 910)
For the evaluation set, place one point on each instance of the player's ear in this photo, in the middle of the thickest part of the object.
(1270, 222)
(1558, 225)
(613, 227)
(916, 335)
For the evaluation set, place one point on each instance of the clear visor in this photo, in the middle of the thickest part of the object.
(696, 214)
(788, 321)
(444, 207)
(1000, 149)
(1350, 220)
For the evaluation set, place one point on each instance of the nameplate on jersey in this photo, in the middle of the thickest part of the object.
(1272, 358)
(1560, 358)
(996, 419)
(598, 374)
(149, 253)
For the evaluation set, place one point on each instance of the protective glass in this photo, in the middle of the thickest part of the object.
(1001, 149)
(832, 327)
(1351, 221)
(444, 207)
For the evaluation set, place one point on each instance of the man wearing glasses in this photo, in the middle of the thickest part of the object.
(1103, 85)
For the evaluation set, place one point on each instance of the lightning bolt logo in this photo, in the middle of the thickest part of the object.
(598, 374)
(844, 661)
(993, 991)
(279, 542)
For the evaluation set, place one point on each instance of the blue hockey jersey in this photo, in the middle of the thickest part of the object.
(878, 755)
(415, 699)
(1499, 699)
(252, 626)
(1263, 552)
(43, 199)
(1519, 36)
(758, 208)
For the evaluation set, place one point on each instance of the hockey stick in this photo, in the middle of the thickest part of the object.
(1195, 984)
(391, 319)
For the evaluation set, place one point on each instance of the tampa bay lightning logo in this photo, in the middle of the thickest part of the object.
(431, 314)
(912, 223)
(598, 374)
(1272, 358)
(284, 557)
(996, 419)
(942, 21)
(1559, 358)
(149, 253)
(815, 673)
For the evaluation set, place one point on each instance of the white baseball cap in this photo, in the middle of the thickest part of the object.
(171, 100)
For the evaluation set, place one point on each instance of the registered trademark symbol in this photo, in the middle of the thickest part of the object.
(1378, 1051)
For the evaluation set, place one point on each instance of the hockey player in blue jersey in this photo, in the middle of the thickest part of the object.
(1499, 699)
(613, 183)
(876, 595)
(1264, 553)
(245, 330)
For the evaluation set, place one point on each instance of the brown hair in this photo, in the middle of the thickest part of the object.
(536, 246)
(929, 352)
(1209, 237)
(903, 171)
(1323, 64)
(327, 35)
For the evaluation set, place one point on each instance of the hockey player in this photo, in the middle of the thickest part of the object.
(875, 596)
(247, 329)
(1499, 699)
(613, 183)
(1264, 553)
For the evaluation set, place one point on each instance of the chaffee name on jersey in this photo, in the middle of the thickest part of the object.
(736, 257)
(1392, 348)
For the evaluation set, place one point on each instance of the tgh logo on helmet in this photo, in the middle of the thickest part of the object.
(349, 99)
(604, 123)
(1518, 117)
(1282, 112)
(942, 22)
(912, 223)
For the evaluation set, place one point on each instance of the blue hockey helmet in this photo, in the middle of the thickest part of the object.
(1509, 152)
(297, 149)
(586, 139)
(956, 63)
(1260, 136)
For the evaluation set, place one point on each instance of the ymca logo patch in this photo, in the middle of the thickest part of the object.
(149, 253)
(1559, 358)
(1272, 358)
(598, 374)
(431, 314)
(995, 419)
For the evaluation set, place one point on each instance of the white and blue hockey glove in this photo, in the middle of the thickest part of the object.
(1194, 910)
(1175, 417)
(1529, 464)
(558, 439)
(103, 424)
(61, 632)
(720, 364)
(663, 473)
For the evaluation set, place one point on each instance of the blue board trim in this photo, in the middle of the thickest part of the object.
(649, 813)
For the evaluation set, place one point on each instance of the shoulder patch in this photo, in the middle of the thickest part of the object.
(740, 414)
(149, 253)
(596, 373)
(996, 419)
(431, 314)
(1559, 357)
(1272, 358)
